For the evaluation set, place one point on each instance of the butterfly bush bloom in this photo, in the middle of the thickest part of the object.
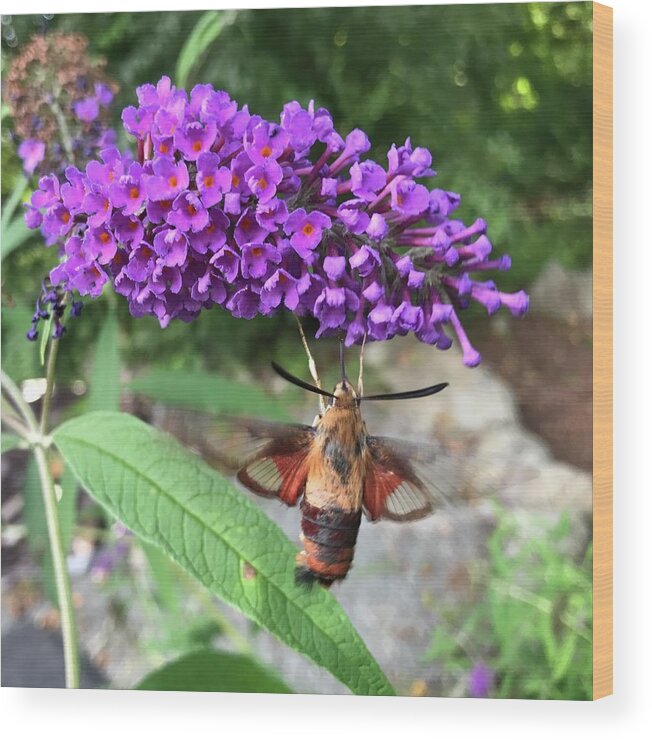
(221, 207)
(58, 99)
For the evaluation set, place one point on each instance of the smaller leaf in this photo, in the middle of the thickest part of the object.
(212, 670)
(14, 235)
(46, 331)
(207, 29)
(10, 204)
(12, 442)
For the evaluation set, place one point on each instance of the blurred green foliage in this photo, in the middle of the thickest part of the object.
(502, 94)
(529, 618)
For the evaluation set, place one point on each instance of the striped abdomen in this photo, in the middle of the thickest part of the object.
(328, 535)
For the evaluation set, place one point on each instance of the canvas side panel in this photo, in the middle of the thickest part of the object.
(602, 351)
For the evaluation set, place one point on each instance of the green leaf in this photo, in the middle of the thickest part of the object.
(10, 442)
(172, 499)
(163, 576)
(213, 670)
(14, 234)
(205, 392)
(104, 393)
(207, 29)
(46, 333)
(10, 204)
(19, 357)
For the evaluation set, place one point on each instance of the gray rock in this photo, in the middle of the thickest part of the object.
(566, 294)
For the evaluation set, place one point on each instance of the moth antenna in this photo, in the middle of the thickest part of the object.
(360, 384)
(301, 383)
(312, 367)
(404, 395)
(342, 369)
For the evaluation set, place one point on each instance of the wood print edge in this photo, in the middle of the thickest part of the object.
(602, 351)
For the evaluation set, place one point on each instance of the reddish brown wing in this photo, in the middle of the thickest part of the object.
(393, 489)
(270, 456)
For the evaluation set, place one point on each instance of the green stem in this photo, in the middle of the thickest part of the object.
(15, 425)
(66, 139)
(64, 591)
(62, 580)
(16, 397)
(49, 383)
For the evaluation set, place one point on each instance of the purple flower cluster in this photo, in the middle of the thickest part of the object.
(222, 207)
(51, 304)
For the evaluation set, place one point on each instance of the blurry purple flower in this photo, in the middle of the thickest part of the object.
(87, 110)
(480, 681)
(32, 152)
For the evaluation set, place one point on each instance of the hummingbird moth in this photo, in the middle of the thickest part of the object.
(335, 471)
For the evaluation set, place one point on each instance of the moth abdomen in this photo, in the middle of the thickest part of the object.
(329, 535)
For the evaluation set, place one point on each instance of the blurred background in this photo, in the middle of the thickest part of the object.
(493, 598)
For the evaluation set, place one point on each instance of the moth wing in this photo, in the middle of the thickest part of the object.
(399, 480)
(278, 466)
(267, 457)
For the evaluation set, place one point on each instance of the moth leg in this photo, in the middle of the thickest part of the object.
(360, 384)
(311, 364)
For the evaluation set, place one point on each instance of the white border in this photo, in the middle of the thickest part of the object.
(99, 715)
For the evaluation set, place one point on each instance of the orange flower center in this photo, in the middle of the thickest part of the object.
(164, 148)
(256, 251)
(147, 252)
(262, 183)
(209, 181)
(134, 192)
(104, 237)
(65, 217)
(308, 229)
(282, 279)
(245, 224)
(196, 147)
(191, 210)
(172, 181)
(132, 226)
(235, 181)
(265, 151)
(165, 203)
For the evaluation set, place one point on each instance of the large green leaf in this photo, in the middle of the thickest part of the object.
(173, 499)
(205, 392)
(104, 393)
(212, 670)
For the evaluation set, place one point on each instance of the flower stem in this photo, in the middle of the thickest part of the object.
(64, 592)
(49, 386)
(66, 139)
(62, 580)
